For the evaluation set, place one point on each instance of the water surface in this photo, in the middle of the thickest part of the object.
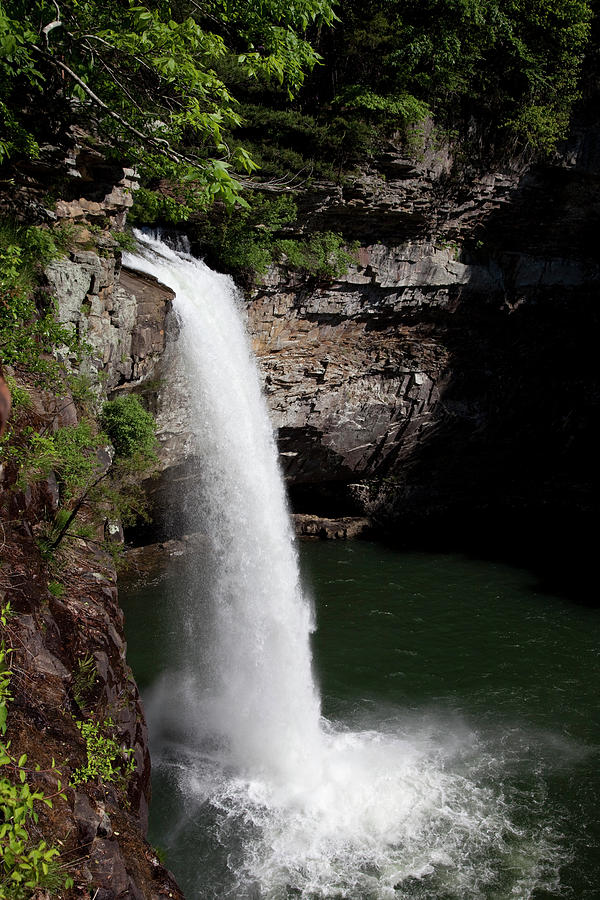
(461, 710)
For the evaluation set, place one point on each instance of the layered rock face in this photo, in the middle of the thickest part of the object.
(355, 371)
(121, 314)
(446, 382)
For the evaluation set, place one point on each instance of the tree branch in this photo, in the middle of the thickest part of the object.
(75, 510)
(161, 145)
(52, 25)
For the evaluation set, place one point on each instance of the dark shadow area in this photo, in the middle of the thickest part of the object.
(510, 469)
(330, 499)
(559, 549)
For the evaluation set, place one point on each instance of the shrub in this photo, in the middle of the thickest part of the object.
(106, 762)
(324, 254)
(131, 429)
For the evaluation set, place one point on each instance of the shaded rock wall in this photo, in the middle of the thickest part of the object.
(447, 384)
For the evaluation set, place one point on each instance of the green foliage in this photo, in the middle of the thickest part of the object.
(324, 254)
(242, 241)
(131, 429)
(20, 396)
(124, 240)
(514, 64)
(5, 695)
(289, 142)
(151, 207)
(156, 77)
(248, 241)
(56, 588)
(24, 864)
(69, 451)
(86, 481)
(106, 762)
(81, 389)
(403, 108)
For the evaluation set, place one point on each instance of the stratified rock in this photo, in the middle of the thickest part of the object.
(120, 313)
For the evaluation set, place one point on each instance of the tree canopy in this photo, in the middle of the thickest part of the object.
(159, 80)
(515, 63)
(155, 78)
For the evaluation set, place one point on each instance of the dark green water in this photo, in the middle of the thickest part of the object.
(460, 650)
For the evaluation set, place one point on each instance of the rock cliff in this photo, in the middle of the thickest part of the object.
(446, 384)
(65, 629)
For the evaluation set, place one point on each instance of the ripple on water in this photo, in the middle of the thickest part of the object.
(398, 813)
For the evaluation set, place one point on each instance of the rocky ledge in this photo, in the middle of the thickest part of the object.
(344, 528)
(65, 630)
(68, 658)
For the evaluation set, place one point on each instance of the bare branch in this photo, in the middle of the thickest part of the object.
(95, 37)
(50, 27)
(118, 83)
(161, 145)
(278, 185)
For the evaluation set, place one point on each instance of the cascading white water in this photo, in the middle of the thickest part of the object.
(303, 807)
(262, 620)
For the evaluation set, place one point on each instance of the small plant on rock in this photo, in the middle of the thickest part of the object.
(84, 680)
(107, 762)
(24, 864)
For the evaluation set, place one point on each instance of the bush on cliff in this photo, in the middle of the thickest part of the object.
(129, 426)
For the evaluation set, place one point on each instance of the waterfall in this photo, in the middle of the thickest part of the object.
(262, 620)
(287, 803)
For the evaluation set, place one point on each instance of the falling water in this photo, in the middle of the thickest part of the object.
(299, 806)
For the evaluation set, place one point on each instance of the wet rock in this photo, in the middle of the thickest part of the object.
(344, 528)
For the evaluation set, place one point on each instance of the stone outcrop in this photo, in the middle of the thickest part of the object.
(70, 181)
(344, 528)
(121, 314)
